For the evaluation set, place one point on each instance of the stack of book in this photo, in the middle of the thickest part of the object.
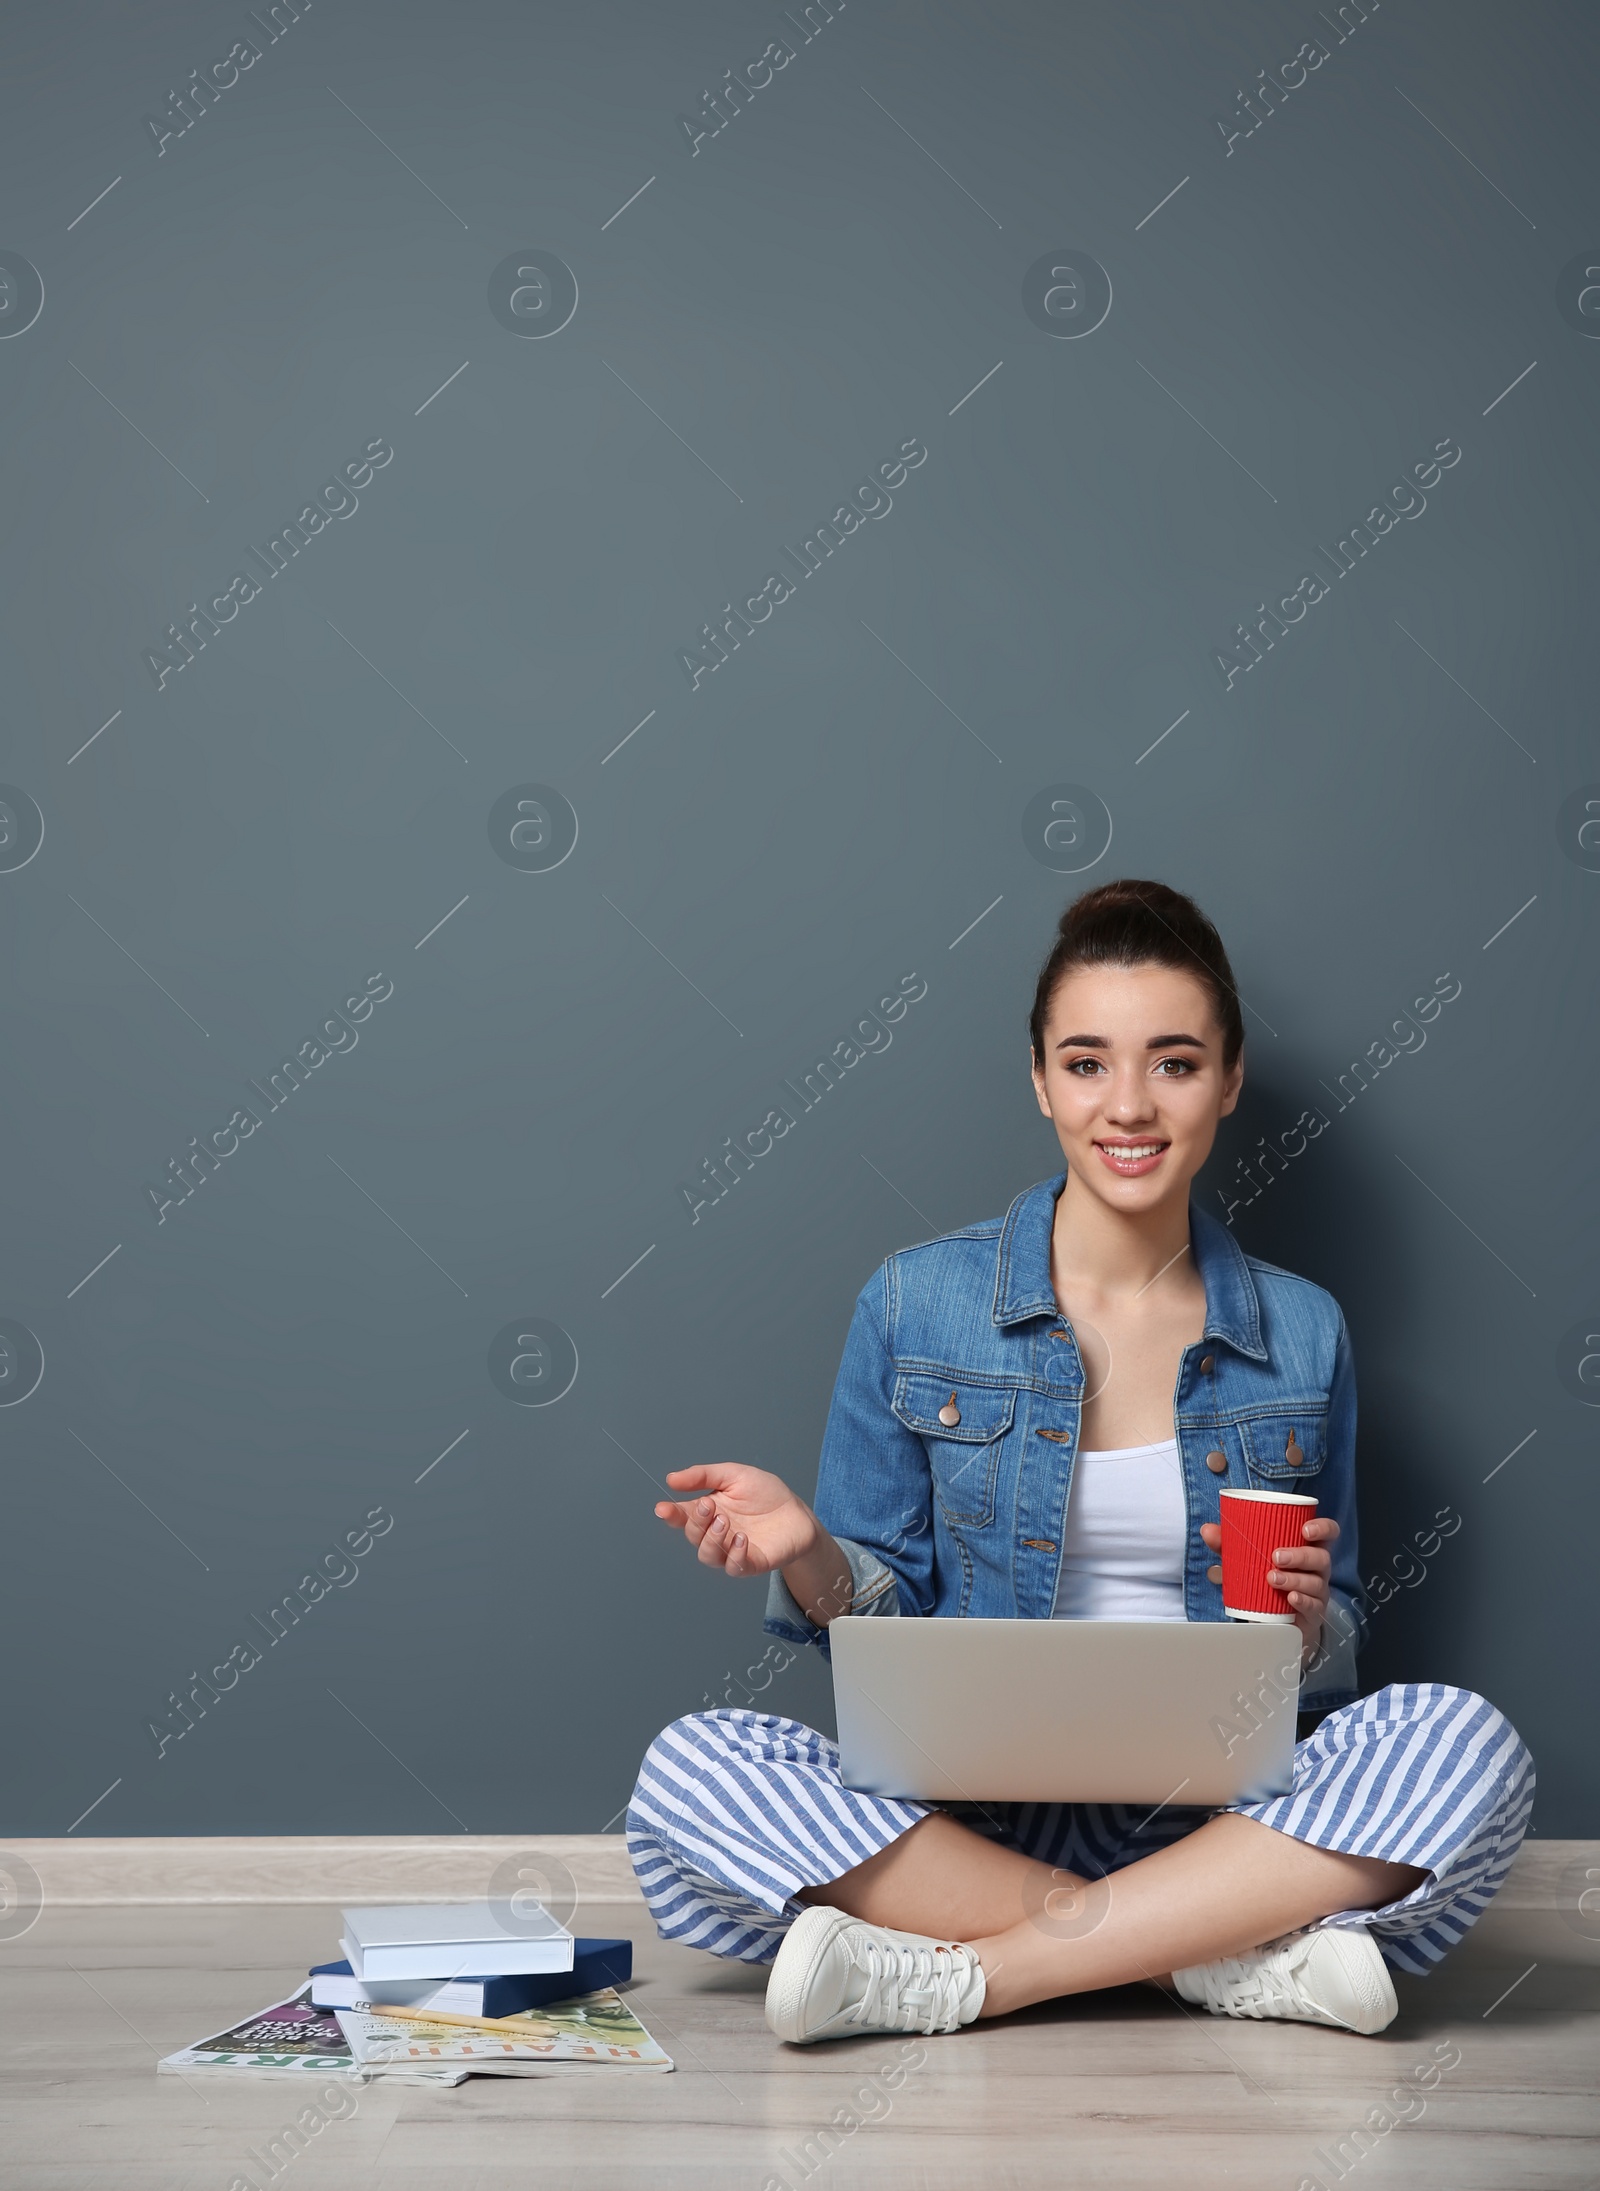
(433, 1993)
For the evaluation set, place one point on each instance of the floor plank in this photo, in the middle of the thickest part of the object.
(1121, 2088)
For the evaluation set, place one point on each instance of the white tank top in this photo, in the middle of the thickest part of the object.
(1126, 1536)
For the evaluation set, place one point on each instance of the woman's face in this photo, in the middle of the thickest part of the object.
(1132, 1079)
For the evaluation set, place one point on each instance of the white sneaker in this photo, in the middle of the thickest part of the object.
(836, 1976)
(1328, 1975)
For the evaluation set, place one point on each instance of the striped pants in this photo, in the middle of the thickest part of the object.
(736, 1811)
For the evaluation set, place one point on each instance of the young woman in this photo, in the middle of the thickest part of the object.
(1034, 1419)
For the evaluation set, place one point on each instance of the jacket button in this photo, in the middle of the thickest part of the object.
(1207, 1364)
(1213, 1574)
(1293, 1453)
(950, 1414)
(1217, 1463)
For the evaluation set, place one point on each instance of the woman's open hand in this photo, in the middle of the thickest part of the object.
(747, 1521)
(1301, 1572)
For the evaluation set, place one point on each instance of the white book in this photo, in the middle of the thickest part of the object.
(331, 1989)
(447, 1940)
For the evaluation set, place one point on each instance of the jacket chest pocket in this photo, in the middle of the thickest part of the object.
(961, 1427)
(1285, 1450)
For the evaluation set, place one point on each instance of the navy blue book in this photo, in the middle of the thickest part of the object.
(595, 1963)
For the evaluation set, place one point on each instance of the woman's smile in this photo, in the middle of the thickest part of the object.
(1134, 1157)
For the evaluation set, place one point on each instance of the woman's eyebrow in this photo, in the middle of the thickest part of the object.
(1156, 1042)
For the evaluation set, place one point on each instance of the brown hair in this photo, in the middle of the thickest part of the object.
(1140, 924)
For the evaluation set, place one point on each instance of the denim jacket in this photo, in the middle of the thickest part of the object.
(967, 1517)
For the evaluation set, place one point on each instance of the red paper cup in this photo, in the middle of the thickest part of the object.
(1254, 1524)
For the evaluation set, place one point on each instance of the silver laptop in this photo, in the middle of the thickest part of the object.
(1066, 1711)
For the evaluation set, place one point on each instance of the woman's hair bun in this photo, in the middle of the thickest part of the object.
(1130, 922)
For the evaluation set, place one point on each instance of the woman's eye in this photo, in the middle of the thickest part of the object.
(1172, 1068)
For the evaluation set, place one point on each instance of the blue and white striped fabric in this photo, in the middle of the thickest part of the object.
(736, 1811)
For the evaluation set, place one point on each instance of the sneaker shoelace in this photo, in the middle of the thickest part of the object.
(910, 1989)
(1261, 1986)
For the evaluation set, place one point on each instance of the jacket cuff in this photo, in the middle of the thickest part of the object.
(874, 1591)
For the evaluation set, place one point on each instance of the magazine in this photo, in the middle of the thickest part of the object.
(293, 2039)
(591, 2031)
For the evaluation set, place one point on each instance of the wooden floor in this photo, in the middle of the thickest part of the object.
(1120, 2089)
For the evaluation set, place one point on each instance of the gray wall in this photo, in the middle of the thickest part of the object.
(833, 274)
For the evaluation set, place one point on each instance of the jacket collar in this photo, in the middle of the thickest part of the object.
(1022, 1285)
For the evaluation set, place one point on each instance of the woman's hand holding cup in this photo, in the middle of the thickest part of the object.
(1298, 1572)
